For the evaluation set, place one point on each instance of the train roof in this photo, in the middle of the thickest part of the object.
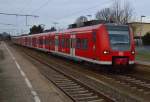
(68, 31)
(73, 30)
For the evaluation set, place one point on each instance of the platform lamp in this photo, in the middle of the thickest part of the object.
(141, 29)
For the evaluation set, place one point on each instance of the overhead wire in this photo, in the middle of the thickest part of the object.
(69, 15)
(77, 12)
(6, 24)
(27, 5)
(42, 6)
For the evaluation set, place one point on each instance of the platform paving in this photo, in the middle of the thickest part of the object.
(147, 63)
(26, 83)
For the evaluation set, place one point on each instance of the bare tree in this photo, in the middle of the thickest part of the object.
(104, 14)
(79, 21)
(127, 13)
(118, 13)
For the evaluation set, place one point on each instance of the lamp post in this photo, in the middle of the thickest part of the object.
(141, 29)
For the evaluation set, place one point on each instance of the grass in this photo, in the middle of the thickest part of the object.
(143, 56)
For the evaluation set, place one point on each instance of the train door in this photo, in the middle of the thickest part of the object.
(94, 43)
(72, 45)
(36, 42)
(56, 42)
(30, 41)
(44, 38)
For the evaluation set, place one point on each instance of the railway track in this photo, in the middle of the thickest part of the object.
(70, 85)
(77, 91)
(133, 82)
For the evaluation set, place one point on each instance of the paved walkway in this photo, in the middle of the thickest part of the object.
(12, 84)
(20, 81)
(143, 63)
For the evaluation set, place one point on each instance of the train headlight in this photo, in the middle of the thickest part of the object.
(105, 52)
(132, 52)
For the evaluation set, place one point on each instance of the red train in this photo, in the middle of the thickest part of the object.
(105, 44)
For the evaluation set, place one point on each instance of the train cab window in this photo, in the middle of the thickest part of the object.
(119, 37)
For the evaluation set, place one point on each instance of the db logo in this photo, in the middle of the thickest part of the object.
(121, 54)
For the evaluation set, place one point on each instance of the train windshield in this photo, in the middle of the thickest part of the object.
(119, 37)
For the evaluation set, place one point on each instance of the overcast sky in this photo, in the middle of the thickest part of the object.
(62, 11)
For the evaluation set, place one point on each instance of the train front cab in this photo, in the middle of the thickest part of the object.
(116, 45)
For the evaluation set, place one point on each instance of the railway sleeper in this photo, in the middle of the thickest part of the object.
(65, 85)
(75, 89)
(63, 81)
(79, 92)
(83, 95)
(89, 98)
(147, 85)
(98, 100)
(140, 90)
(60, 78)
(70, 87)
(147, 93)
(143, 84)
(137, 81)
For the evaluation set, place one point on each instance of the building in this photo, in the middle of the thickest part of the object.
(139, 30)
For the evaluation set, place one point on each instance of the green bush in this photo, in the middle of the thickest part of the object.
(146, 39)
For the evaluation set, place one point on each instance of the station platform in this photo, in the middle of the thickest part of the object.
(21, 81)
(146, 63)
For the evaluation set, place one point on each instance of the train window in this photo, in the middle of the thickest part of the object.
(46, 41)
(67, 43)
(84, 43)
(53, 42)
(78, 43)
(94, 36)
(41, 41)
(30, 39)
(63, 43)
(56, 42)
(50, 41)
(33, 41)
